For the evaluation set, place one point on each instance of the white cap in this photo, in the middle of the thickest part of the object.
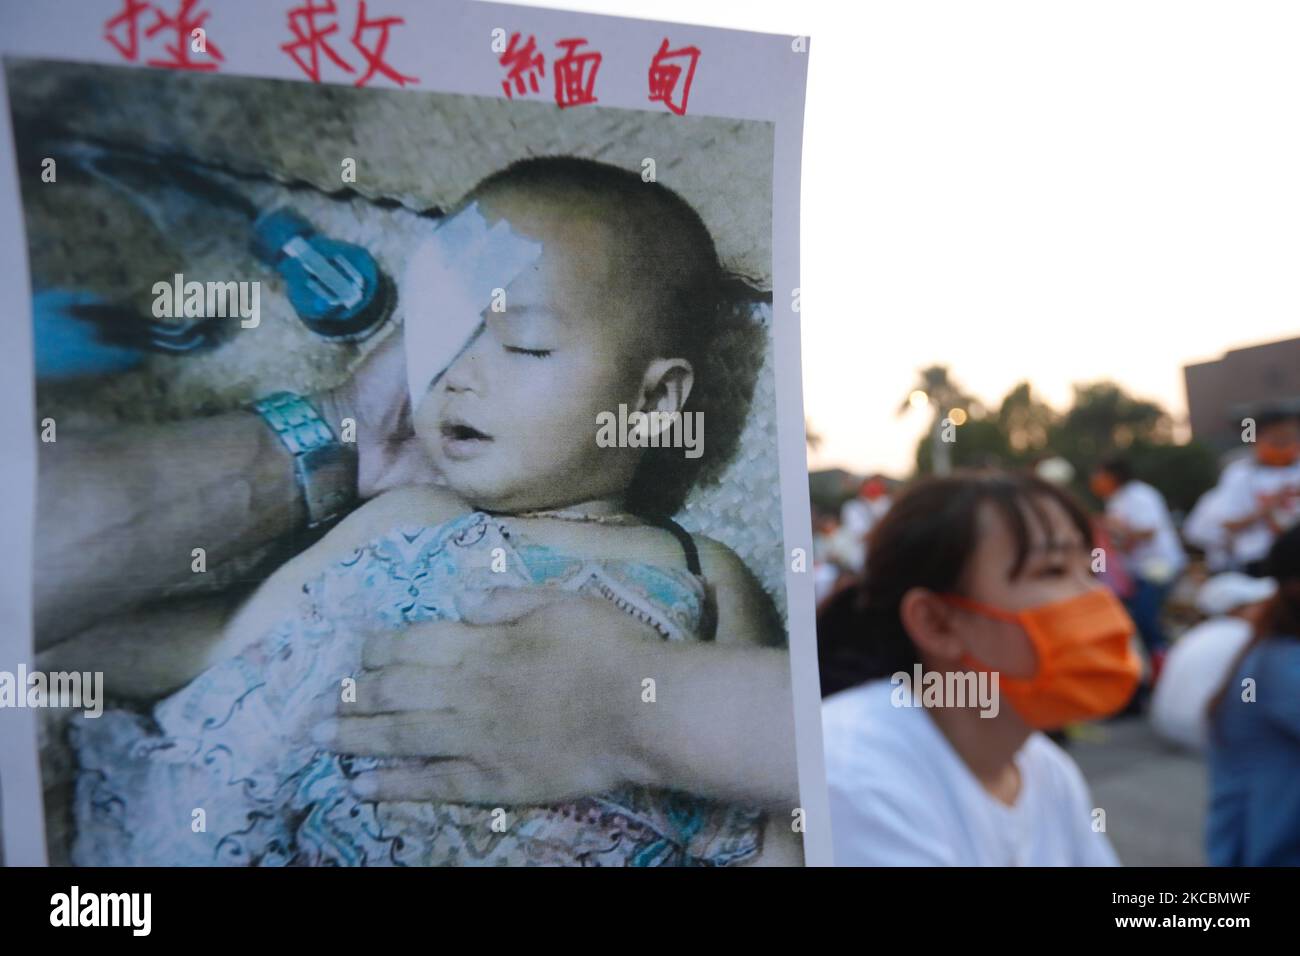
(1056, 470)
(1224, 593)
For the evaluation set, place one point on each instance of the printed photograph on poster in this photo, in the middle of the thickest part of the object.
(396, 449)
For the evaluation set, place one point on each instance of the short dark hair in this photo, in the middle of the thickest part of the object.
(1283, 564)
(1268, 417)
(1120, 467)
(702, 312)
(1280, 619)
(926, 539)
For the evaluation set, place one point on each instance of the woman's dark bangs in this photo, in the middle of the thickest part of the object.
(1018, 495)
(1072, 508)
(1012, 502)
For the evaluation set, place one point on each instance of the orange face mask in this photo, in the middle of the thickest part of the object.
(1103, 485)
(1277, 456)
(1087, 667)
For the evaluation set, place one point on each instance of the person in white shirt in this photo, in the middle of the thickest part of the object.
(977, 626)
(932, 810)
(860, 514)
(1203, 528)
(1257, 497)
(1139, 523)
(1198, 662)
(836, 554)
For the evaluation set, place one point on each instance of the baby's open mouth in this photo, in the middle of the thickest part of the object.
(461, 442)
(454, 431)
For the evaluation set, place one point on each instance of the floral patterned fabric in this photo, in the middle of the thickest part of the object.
(224, 772)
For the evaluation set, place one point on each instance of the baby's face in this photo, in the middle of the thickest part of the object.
(512, 422)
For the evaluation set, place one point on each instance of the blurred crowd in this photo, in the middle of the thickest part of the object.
(1210, 608)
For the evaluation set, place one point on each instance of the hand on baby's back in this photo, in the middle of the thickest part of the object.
(482, 694)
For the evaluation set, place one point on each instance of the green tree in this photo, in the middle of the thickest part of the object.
(1026, 422)
(1104, 419)
(1182, 473)
(981, 443)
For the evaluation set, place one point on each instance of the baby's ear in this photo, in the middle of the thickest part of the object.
(666, 385)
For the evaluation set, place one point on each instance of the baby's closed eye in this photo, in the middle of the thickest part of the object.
(535, 353)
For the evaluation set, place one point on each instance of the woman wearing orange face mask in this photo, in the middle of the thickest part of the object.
(978, 626)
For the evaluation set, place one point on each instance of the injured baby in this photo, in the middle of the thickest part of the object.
(619, 306)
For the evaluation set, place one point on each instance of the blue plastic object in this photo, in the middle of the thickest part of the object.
(79, 334)
(70, 346)
(335, 287)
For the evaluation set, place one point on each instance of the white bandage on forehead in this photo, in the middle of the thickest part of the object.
(450, 281)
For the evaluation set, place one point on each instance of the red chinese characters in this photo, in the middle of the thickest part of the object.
(189, 47)
(128, 21)
(574, 73)
(523, 63)
(667, 70)
(374, 56)
(313, 38)
(312, 27)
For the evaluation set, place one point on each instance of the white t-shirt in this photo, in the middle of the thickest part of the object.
(1203, 527)
(1237, 495)
(1194, 670)
(1142, 508)
(901, 796)
(860, 515)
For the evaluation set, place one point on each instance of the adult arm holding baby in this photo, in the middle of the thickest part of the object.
(224, 483)
(531, 694)
(534, 698)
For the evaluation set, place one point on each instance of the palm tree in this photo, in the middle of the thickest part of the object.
(943, 395)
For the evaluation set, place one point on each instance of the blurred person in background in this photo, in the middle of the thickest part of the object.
(1139, 524)
(835, 554)
(974, 578)
(1254, 817)
(863, 512)
(1257, 497)
(1113, 573)
(1054, 469)
(1204, 529)
(1198, 662)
